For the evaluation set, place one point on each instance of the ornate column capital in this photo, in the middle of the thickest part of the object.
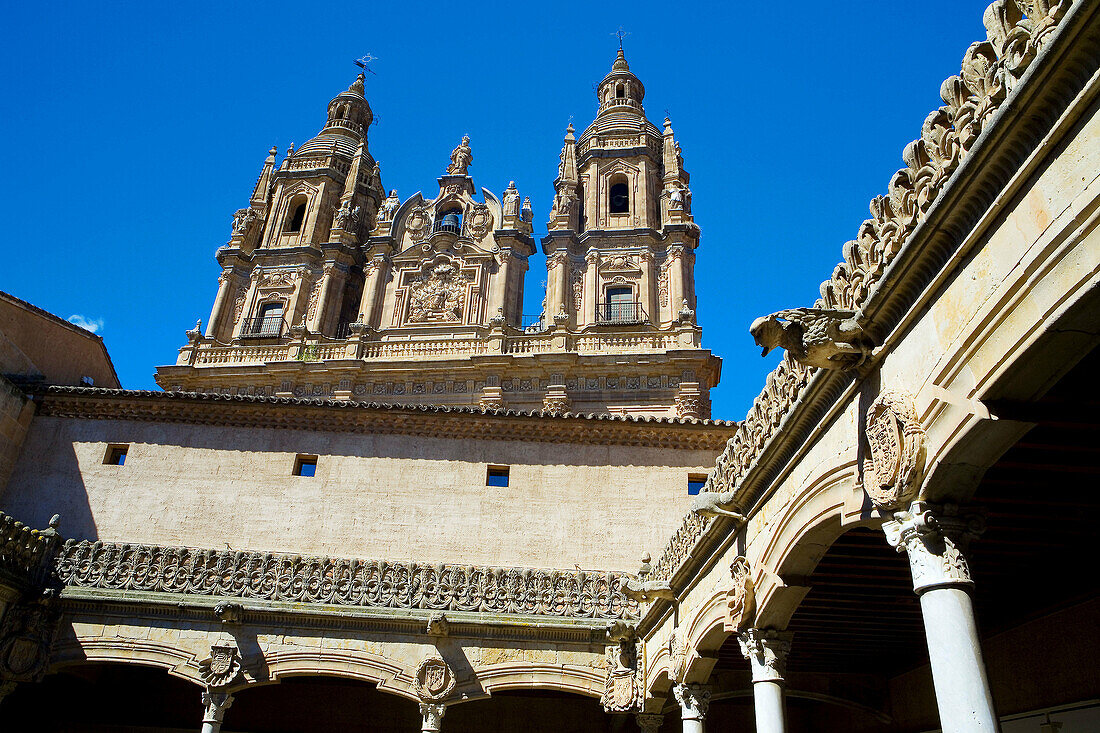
(649, 722)
(935, 539)
(694, 700)
(766, 650)
(215, 704)
(432, 714)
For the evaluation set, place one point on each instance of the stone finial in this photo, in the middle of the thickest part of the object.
(620, 62)
(357, 85)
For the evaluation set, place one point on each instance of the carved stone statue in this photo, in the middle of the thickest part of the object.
(242, 220)
(527, 213)
(347, 216)
(461, 158)
(715, 504)
(675, 199)
(816, 337)
(389, 206)
(511, 200)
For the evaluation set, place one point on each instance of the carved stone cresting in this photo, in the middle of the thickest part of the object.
(935, 539)
(222, 667)
(624, 688)
(892, 475)
(767, 652)
(694, 700)
(817, 337)
(434, 679)
(363, 583)
(438, 296)
(741, 597)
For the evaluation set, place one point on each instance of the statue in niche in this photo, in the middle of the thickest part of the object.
(461, 158)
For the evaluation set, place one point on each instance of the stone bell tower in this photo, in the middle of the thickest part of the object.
(621, 239)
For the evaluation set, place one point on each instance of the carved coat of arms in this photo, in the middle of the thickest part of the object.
(222, 667)
(479, 222)
(434, 679)
(438, 297)
(741, 597)
(892, 475)
(417, 223)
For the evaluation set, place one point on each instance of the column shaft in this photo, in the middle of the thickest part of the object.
(224, 287)
(590, 294)
(771, 716)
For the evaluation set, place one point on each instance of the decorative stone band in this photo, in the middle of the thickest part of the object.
(935, 539)
(767, 652)
(345, 582)
(27, 554)
(991, 69)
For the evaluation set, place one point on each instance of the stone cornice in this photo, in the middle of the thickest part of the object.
(345, 416)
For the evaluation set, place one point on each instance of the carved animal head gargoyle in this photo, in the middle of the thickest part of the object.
(818, 337)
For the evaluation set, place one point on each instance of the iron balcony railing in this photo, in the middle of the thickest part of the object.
(264, 327)
(617, 311)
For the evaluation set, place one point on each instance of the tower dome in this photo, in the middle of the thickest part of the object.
(349, 116)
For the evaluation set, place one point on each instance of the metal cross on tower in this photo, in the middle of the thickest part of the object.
(363, 63)
(621, 34)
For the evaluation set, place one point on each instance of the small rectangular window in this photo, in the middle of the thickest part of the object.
(496, 476)
(696, 482)
(305, 465)
(115, 455)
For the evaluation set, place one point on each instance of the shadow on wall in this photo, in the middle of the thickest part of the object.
(61, 491)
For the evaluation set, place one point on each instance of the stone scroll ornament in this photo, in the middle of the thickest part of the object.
(434, 679)
(892, 475)
(741, 597)
(222, 667)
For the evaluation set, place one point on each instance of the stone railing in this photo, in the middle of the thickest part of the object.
(625, 342)
(27, 554)
(241, 354)
(991, 69)
(340, 582)
(425, 348)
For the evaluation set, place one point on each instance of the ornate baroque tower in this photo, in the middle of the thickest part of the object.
(330, 288)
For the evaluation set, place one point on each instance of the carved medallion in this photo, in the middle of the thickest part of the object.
(222, 667)
(434, 679)
(416, 224)
(25, 641)
(892, 475)
(479, 222)
(741, 597)
(438, 296)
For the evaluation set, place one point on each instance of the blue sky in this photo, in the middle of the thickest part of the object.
(133, 131)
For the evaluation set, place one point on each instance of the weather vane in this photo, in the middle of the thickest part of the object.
(621, 34)
(363, 61)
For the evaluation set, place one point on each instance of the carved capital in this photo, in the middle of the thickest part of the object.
(766, 651)
(649, 722)
(935, 539)
(214, 706)
(694, 700)
(432, 715)
(592, 257)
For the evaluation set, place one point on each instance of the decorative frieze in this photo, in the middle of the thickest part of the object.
(339, 582)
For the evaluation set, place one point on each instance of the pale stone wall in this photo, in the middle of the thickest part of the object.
(16, 412)
(380, 496)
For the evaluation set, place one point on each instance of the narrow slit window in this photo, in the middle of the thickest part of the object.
(696, 481)
(496, 476)
(305, 465)
(115, 455)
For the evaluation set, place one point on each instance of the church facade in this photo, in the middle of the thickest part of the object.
(374, 496)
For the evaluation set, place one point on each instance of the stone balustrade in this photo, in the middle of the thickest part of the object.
(26, 554)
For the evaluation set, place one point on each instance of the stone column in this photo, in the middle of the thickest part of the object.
(592, 258)
(556, 277)
(317, 322)
(249, 303)
(935, 539)
(431, 716)
(498, 288)
(376, 275)
(694, 700)
(645, 287)
(767, 651)
(225, 287)
(215, 704)
(675, 280)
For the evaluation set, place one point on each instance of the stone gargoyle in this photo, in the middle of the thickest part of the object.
(647, 591)
(819, 337)
(716, 504)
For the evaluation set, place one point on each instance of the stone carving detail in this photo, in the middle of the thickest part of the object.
(26, 555)
(222, 667)
(511, 205)
(694, 700)
(432, 714)
(989, 70)
(337, 582)
(243, 220)
(662, 285)
(767, 652)
(741, 597)
(26, 635)
(816, 337)
(649, 722)
(314, 297)
(418, 223)
(439, 296)
(279, 279)
(935, 538)
(892, 475)
(346, 216)
(388, 208)
(624, 689)
(214, 706)
(576, 283)
(716, 504)
(479, 222)
(461, 158)
(647, 591)
(678, 656)
(434, 679)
